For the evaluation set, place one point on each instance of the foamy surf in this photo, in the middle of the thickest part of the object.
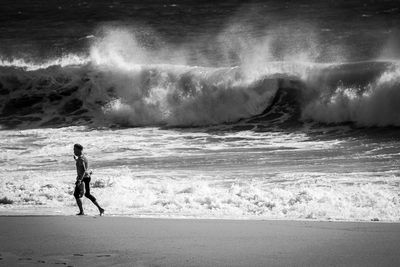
(150, 172)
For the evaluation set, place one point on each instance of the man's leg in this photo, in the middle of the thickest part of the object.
(78, 201)
(89, 196)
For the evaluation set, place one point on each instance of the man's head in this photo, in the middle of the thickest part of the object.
(78, 149)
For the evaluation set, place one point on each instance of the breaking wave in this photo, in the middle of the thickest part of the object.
(123, 82)
(84, 92)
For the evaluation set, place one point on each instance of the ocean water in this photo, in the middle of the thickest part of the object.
(195, 109)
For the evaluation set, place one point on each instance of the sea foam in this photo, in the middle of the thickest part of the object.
(190, 173)
(123, 192)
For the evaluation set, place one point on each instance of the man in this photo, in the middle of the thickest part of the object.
(83, 177)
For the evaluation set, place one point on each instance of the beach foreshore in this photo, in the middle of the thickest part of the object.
(123, 241)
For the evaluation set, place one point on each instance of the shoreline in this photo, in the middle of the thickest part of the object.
(200, 219)
(123, 241)
(54, 214)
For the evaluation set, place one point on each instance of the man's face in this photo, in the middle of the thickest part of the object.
(77, 151)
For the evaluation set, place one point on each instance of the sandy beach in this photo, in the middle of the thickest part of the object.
(123, 241)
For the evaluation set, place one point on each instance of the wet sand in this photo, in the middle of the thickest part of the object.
(122, 241)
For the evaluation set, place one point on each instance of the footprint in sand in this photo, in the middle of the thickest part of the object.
(100, 256)
(40, 261)
(25, 259)
(61, 263)
(80, 255)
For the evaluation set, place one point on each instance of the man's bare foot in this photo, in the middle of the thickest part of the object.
(80, 213)
(101, 211)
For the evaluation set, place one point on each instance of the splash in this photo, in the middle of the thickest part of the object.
(130, 79)
(374, 104)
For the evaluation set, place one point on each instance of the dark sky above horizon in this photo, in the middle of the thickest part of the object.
(38, 28)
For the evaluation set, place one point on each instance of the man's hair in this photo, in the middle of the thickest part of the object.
(78, 146)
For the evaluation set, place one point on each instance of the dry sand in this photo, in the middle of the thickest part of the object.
(119, 241)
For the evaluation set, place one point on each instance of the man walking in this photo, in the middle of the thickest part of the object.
(83, 177)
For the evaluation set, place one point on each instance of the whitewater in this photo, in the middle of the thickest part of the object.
(284, 130)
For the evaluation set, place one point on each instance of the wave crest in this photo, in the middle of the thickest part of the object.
(364, 93)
